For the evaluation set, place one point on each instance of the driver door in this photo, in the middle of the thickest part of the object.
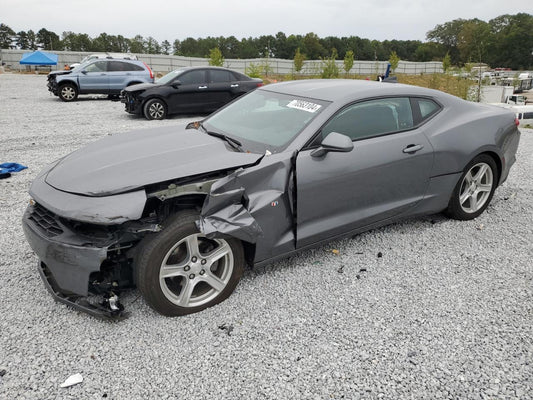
(94, 78)
(385, 174)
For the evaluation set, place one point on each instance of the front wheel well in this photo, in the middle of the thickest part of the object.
(164, 209)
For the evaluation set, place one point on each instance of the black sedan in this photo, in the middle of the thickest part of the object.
(187, 90)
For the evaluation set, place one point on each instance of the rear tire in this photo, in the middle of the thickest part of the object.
(475, 189)
(179, 271)
(68, 92)
(155, 109)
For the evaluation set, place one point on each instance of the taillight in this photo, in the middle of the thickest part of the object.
(149, 69)
(516, 122)
(260, 84)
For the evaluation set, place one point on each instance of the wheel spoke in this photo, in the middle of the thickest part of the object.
(464, 197)
(192, 246)
(185, 295)
(485, 188)
(169, 271)
(214, 281)
(218, 253)
(468, 177)
(481, 173)
(474, 203)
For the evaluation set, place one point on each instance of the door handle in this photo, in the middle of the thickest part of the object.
(413, 148)
(235, 85)
(202, 87)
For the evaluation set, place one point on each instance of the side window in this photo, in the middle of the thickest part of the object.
(99, 66)
(372, 118)
(427, 108)
(528, 115)
(115, 66)
(193, 77)
(219, 76)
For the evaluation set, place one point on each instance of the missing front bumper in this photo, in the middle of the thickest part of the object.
(80, 303)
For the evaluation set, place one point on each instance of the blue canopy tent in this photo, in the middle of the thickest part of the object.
(39, 58)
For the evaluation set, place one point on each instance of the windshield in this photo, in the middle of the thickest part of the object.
(265, 120)
(170, 76)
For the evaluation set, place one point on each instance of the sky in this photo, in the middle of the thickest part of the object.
(170, 20)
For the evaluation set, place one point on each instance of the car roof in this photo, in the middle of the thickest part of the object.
(342, 89)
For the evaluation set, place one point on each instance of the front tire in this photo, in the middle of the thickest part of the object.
(180, 271)
(155, 109)
(475, 189)
(68, 92)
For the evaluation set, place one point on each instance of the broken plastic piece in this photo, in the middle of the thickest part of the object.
(72, 380)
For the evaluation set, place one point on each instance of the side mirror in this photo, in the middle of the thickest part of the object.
(84, 72)
(176, 83)
(333, 142)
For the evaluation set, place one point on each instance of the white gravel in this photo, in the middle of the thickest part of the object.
(445, 313)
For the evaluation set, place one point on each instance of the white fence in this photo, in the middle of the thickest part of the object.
(164, 63)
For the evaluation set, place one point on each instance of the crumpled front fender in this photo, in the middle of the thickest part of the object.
(255, 205)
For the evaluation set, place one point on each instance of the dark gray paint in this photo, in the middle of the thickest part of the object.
(128, 161)
(282, 202)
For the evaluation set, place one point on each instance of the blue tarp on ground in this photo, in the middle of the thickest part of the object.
(39, 58)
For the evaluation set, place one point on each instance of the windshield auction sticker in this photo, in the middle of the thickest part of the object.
(304, 106)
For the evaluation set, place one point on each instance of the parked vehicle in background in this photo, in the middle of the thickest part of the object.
(178, 211)
(124, 56)
(524, 114)
(187, 90)
(100, 76)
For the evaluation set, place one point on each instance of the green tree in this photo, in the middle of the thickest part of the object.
(312, 46)
(348, 61)
(151, 46)
(329, 66)
(165, 47)
(6, 35)
(446, 62)
(49, 40)
(299, 59)
(394, 60)
(473, 41)
(137, 44)
(215, 57)
(22, 40)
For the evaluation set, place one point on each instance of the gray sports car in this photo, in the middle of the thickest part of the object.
(178, 212)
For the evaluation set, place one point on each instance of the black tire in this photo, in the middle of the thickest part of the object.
(68, 92)
(212, 262)
(113, 97)
(475, 189)
(155, 109)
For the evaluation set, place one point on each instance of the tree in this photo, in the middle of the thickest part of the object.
(473, 40)
(137, 44)
(446, 62)
(151, 46)
(394, 60)
(215, 57)
(348, 61)
(22, 40)
(6, 36)
(165, 47)
(299, 59)
(329, 66)
(312, 46)
(49, 40)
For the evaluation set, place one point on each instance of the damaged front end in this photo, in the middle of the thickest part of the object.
(78, 260)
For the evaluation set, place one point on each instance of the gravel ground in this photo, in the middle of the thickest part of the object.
(445, 312)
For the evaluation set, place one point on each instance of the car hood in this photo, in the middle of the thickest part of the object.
(59, 72)
(127, 161)
(140, 86)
